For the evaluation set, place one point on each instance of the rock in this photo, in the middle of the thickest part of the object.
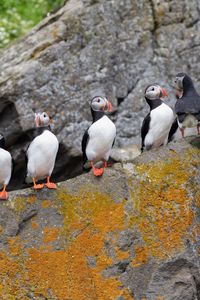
(113, 48)
(125, 154)
(131, 234)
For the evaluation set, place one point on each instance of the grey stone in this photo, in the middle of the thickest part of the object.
(177, 279)
(8, 221)
(125, 154)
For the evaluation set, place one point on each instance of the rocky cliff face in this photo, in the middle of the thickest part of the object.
(132, 234)
(113, 48)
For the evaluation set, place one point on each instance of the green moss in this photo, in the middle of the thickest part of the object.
(19, 16)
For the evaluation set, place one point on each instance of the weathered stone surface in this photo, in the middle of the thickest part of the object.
(114, 48)
(131, 234)
(125, 154)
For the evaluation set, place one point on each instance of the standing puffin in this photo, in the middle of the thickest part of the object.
(99, 138)
(41, 153)
(5, 168)
(187, 106)
(156, 125)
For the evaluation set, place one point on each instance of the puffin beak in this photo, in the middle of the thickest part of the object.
(164, 93)
(109, 106)
(37, 120)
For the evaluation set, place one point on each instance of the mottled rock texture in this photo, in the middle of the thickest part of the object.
(132, 234)
(90, 47)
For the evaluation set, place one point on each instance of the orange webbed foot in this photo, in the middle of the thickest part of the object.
(38, 186)
(3, 195)
(98, 172)
(51, 185)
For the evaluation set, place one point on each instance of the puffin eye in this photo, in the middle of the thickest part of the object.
(153, 89)
(44, 115)
(98, 100)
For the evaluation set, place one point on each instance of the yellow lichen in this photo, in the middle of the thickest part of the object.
(160, 201)
(46, 203)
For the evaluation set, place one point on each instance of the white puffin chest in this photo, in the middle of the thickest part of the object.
(5, 166)
(160, 124)
(42, 154)
(101, 137)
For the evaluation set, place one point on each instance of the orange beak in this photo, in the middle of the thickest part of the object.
(110, 107)
(164, 93)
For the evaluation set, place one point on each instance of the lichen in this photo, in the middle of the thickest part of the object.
(66, 274)
(160, 212)
(160, 201)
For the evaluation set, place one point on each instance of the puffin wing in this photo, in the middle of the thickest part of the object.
(85, 141)
(145, 129)
(173, 130)
(188, 105)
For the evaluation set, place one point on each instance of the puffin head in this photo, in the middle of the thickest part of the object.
(100, 103)
(2, 141)
(155, 91)
(42, 119)
(183, 81)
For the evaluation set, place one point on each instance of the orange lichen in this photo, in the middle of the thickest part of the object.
(14, 247)
(160, 201)
(34, 224)
(67, 272)
(120, 255)
(142, 255)
(88, 219)
(31, 199)
(50, 234)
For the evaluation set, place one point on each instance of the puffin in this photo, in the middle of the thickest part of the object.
(99, 138)
(175, 133)
(41, 153)
(187, 107)
(156, 125)
(5, 168)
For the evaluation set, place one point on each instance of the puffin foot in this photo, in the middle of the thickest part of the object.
(4, 195)
(98, 172)
(50, 185)
(38, 186)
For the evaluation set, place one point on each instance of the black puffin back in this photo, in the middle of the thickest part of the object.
(189, 103)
